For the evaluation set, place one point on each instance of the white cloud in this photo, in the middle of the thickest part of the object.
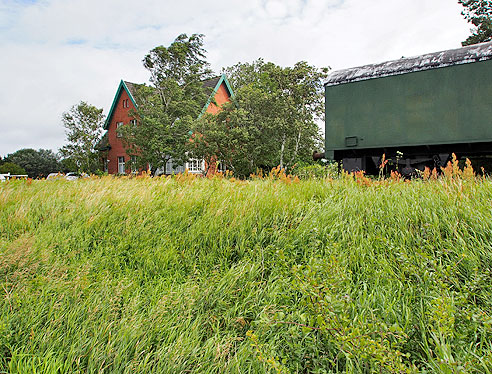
(58, 52)
(276, 9)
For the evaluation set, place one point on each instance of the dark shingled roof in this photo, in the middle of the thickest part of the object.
(211, 83)
(132, 87)
(208, 84)
(465, 55)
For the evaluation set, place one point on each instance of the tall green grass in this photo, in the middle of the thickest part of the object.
(216, 276)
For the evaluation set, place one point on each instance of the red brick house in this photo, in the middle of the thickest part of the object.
(114, 157)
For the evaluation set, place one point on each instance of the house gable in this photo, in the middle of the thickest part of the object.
(122, 86)
(222, 93)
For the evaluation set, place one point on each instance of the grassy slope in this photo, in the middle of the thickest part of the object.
(166, 275)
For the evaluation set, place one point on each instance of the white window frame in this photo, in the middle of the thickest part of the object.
(195, 166)
(118, 125)
(121, 165)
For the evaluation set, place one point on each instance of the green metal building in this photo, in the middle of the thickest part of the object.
(425, 107)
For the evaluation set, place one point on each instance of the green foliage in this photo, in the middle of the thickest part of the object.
(479, 14)
(183, 274)
(36, 164)
(315, 170)
(167, 108)
(84, 126)
(9, 167)
(226, 138)
(272, 121)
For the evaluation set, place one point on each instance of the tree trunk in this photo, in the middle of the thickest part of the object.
(282, 149)
(298, 140)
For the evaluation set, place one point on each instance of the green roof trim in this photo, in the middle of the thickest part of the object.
(223, 79)
(121, 87)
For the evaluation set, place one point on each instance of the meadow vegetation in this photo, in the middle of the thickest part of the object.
(273, 274)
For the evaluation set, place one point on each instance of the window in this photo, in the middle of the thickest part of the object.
(125, 103)
(118, 125)
(195, 166)
(221, 167)
(106, 163)
(121, 165)
(133, 122)
(133, 161)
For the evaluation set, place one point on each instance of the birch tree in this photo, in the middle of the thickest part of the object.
(275, 117)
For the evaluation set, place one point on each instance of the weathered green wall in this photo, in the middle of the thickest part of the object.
(438, 106)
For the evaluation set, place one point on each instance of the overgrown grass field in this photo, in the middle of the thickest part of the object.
(195, 275)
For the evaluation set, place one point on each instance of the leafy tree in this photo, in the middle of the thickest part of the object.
(9, 167)
(35, 163)
(167, 108)
(478, 13)
(273, 121)
(226, 138)
(84, 127)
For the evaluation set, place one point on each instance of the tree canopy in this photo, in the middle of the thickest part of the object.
(479, 14)
(83, 127)
(167, 108)
(273, 121)
(35, 163)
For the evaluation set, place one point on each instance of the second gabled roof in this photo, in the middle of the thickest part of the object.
(216, 83)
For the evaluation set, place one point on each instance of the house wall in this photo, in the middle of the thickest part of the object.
(221, 97)
(120, 114)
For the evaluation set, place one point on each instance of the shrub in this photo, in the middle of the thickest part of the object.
(316, 171)
(10, 167)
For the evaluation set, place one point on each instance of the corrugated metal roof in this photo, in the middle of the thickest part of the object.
(465, 55)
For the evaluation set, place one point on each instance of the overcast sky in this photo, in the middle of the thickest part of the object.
(55, 53)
